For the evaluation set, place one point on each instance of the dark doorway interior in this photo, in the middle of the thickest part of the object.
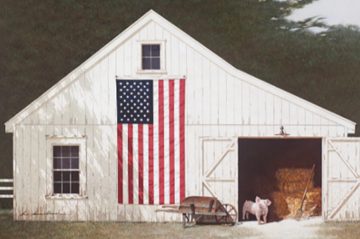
(259, 159)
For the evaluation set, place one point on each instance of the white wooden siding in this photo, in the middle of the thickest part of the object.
(218, 104)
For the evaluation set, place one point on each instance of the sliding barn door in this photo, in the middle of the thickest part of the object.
(219, 169)
(341, 179)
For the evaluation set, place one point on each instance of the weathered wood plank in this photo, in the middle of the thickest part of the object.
(214, 100)
(222, 96)
(104, 92)
(190, 87)
(198, 93)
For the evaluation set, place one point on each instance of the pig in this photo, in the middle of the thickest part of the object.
(258, 208)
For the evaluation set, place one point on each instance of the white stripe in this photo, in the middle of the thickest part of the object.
(156, 141)
(146, 163)
(177, 140)
(135, 164)
(166, 144)
(125, 163)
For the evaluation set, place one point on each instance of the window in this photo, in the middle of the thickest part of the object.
(151, 57)
(66, 169)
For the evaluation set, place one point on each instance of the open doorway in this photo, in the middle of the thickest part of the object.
(278, 169)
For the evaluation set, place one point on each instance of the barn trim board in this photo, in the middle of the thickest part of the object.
(221, 104)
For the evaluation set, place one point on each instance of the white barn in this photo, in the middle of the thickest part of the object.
(223, 106)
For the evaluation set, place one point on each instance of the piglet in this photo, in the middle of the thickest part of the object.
(258, 208)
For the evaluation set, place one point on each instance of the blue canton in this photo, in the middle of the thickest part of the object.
(134, 101)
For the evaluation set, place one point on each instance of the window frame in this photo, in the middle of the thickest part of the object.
(70, 170)
(52, 141)
(162, 69)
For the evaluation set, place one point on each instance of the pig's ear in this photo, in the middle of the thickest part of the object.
(268, 202)
(257, 199)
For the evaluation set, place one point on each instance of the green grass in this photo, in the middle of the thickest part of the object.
(43, 40)
(97, 230)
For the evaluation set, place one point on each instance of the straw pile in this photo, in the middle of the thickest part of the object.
(291, 184)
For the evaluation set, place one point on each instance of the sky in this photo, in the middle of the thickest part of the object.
(335, 12)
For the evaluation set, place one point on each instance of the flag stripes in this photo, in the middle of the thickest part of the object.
(151, 157)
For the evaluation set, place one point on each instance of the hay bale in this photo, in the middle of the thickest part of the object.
(280, 204)
(293, 179)
(294, 186)
(314, 197)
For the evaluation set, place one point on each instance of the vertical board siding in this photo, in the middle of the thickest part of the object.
(218, 105)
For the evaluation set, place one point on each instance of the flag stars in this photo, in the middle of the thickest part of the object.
(133, 96)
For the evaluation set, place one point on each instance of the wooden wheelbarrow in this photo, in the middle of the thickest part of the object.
(204, 210)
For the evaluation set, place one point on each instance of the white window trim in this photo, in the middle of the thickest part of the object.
(162, 70)
(52, 141)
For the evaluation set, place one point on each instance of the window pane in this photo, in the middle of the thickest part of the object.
(57, 151)
(75, 188)
(57, 176)
(146, 63)
(75, 176)
(57, 163)
(66, 163)
(66, 176)
(155, 63)
(74, 151)
(57, 187)
(155, 50)
(66, 187)
(65, 151)
(74, 163)
(146, 50)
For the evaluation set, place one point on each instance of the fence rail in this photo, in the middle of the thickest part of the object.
(6, 180)
(6, 188)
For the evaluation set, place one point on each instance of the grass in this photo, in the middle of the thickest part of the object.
(43, 40)
(89, 230)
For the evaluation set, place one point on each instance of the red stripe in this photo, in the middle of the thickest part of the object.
(182, 139)
(172, 143)
(151, 164)
(130, 163)
(141, 176)
(120, 164)
(161, 142)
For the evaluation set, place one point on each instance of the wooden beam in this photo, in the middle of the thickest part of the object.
(221, 179)
(212, 168)
(344, 200)
(6, 188)
(345, 162)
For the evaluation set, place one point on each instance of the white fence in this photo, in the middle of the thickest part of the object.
(6, 188)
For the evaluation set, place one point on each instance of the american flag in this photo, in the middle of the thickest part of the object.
(151, 137)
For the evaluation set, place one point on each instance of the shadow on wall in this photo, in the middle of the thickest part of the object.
(259, 159)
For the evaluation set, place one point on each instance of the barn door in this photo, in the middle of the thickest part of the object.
(341, 179)
(219, 169)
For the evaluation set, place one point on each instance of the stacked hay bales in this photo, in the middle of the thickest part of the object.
(291, 184)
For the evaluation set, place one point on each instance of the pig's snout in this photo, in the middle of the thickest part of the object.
(261, 206)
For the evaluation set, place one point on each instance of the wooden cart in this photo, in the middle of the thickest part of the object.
(204, 210)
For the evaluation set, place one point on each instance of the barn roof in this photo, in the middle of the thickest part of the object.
(153, 16)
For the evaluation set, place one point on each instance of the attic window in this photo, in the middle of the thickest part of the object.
(151, 57)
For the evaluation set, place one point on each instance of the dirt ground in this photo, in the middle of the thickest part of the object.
(313, 228)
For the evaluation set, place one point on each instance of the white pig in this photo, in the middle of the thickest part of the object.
(258, 208)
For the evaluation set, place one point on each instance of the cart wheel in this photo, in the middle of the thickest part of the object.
(231, 216)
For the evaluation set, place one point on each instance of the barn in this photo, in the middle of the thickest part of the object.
(207, 129)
